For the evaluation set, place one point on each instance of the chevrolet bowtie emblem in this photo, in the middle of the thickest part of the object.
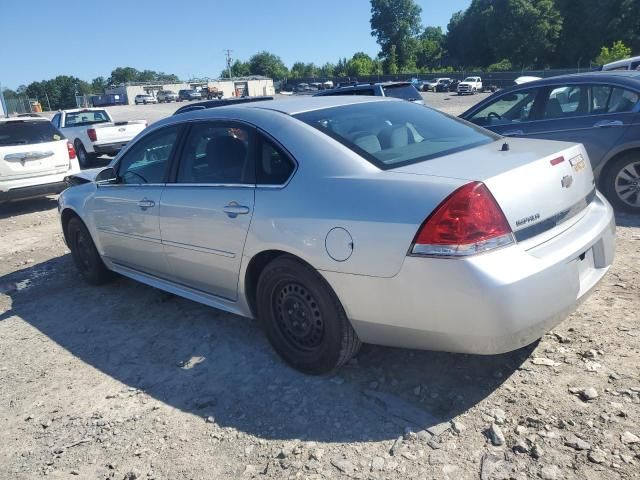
(566, 181)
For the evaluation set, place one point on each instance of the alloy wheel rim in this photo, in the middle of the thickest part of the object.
(627, 184)
(298, 316)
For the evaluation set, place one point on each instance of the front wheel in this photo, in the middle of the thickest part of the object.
(85, 255)
(621, 183)
(303, 318)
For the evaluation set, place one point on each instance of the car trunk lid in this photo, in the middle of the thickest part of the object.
(118, 131)
(538, 184)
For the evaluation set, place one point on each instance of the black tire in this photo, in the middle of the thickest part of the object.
(621, 182)
(303, 318)
(85, 255)
(84, 158)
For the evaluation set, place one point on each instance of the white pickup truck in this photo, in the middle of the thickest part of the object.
(470, 85)
(93, 132)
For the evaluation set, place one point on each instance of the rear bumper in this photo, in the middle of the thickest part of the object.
(487, 304)
(109, 148)
(32, 191)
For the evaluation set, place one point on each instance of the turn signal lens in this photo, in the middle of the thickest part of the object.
(467, 222)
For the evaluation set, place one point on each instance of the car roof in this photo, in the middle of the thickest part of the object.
(624, 61)
(293, 106)
(79, 110)
(628, 78)
(23, 119)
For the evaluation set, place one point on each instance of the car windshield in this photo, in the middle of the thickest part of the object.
(470, 79)
(392, 134)
(26, 132)
(88, 117)
(405, 92)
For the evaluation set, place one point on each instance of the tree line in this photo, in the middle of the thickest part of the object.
(489, 35)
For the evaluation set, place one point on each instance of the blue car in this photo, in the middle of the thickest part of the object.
(601, 110)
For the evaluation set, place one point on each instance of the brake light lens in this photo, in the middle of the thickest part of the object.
(92, 134)
(467, 222)
(71, 150)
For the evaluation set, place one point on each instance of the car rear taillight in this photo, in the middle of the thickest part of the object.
(71, 150)
(467, 222)
(92, 134)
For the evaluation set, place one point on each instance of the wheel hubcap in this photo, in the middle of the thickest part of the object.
(627, 184)
(298, 316)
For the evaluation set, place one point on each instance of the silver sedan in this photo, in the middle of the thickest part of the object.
(342, 220)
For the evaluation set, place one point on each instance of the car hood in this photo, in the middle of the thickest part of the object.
(84, 176)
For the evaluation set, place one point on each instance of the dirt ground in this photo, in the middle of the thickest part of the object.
(127, 382)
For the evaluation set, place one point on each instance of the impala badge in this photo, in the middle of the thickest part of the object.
(566, 181)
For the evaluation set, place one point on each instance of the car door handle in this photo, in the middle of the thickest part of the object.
(512, 133)
(608, 123)
(234, 209)
(146, 203)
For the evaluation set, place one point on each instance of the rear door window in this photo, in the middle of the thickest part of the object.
(606, 99)
(274, 167)
(27, 132)
(566, 101)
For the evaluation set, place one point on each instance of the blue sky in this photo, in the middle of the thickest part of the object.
(45, 38)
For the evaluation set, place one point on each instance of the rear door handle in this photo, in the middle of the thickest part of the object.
(608, 123)
(146, 203)
(513, 133)
(234, 209)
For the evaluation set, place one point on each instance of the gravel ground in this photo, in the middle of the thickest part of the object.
(127, 382)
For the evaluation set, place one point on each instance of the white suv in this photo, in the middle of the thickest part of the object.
(35, 158)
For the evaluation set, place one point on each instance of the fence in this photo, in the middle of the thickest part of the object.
(499, 79)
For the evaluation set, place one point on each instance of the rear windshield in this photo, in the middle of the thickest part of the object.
(405, 92)
(393, 134)
(26, 132)
(89, 117)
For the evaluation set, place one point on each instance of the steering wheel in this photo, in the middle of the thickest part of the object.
(494, 115)
(131, 172)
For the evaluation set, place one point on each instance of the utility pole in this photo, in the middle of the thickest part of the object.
(228, 54)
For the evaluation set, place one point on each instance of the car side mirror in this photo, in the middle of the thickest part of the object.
(108, 175)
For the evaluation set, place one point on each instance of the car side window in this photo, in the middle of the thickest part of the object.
(148, 160)
(621, 101)
(565, 101)
(56, 120)
(214, 153)
(509, 108)
(274, 167)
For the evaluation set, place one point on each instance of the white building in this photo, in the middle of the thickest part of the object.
(254, 86)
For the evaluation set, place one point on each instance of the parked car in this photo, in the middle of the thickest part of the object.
(338, 220)
(93, 132)
(35, 157)
(189, 95)
(145, 98)
(526, 79)
(599, 110)
(402, 90)
(432, 85)
(167, 96)
(626, 64)
(447, 85)
(470, 85)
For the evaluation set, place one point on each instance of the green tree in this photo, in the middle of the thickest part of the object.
(123, 75)
(390, 63)
(327, 70)
(360, 65)
(430, 48)
(618, 51)
(59, 92)
(297, 70)
(395, 24)
(268, 65)
(501, 66)
(98, 85)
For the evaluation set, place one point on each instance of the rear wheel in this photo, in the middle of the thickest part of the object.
(83, 157)
(303, 318)
(621, 183)
(85, 255)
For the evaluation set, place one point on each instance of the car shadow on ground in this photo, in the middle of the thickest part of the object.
(627, 220)
(24, 207)
(210, 363)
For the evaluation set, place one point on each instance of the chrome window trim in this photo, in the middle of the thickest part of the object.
(217, 185)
